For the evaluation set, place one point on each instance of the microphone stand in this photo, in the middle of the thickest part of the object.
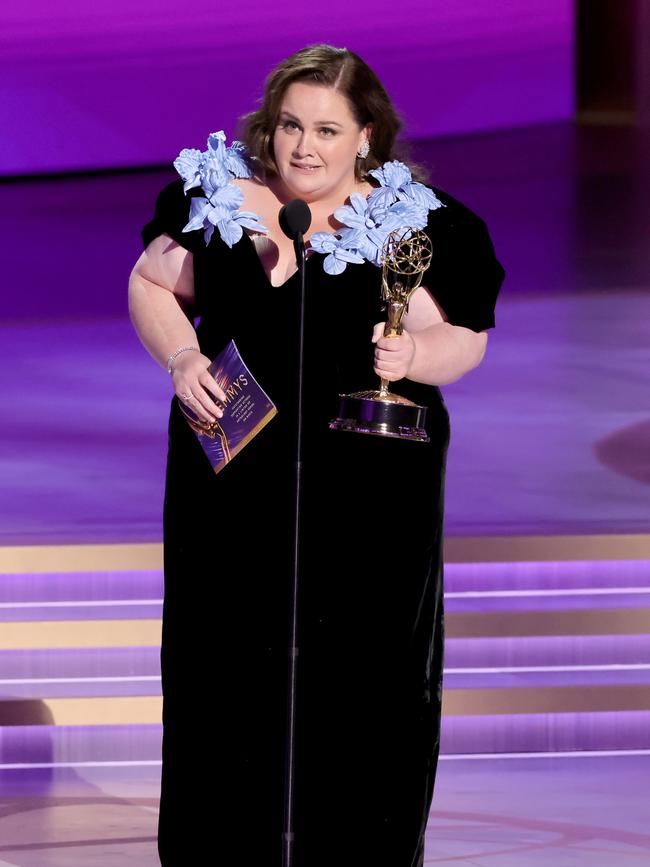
(288, 835)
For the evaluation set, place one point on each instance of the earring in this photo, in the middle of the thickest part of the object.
(364, 150)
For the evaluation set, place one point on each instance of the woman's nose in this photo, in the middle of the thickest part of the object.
(303, 145)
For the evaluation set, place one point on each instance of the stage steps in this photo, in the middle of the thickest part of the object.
(540, 657)
(547, 656)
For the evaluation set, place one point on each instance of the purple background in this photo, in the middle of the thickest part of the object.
(117, 85)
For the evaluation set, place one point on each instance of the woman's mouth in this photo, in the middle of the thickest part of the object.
(307, 169)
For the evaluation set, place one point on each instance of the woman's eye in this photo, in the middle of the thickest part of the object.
(289, 124)
(328, 130)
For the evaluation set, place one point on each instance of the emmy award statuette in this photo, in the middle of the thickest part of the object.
(407, 254)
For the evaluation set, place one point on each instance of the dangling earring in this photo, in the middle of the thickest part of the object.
(364, 150)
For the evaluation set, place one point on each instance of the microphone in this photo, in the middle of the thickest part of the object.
(295, 219)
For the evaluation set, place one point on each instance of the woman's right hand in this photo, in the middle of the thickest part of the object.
(197, 388)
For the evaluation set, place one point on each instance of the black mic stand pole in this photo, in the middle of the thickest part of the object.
(288, 835)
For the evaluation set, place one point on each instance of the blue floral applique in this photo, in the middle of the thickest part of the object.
(338, 251)
(213, 170)
(398, 202)
(396, 184)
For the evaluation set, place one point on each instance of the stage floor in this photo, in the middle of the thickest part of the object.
(549, 435)
(524, 812)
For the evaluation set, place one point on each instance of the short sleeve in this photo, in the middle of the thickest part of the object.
(171, 215)
(465, 275)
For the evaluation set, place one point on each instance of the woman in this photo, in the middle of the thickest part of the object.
(370, 601)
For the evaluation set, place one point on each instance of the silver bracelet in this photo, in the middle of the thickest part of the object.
(178, 352)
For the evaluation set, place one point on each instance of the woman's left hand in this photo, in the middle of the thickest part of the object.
(393, 355)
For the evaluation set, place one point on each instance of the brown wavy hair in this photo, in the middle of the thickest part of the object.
(347, 73)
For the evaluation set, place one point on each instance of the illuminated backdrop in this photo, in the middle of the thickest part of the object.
(121, 83)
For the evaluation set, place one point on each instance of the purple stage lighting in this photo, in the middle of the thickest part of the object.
(108, 86)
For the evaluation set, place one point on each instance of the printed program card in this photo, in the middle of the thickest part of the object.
(246, 410)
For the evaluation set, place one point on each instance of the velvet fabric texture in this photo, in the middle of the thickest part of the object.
(370, 613)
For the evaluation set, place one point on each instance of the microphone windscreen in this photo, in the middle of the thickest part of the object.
(295, 218)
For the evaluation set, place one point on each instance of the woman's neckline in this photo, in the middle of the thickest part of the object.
(310, 253)
(254, 252)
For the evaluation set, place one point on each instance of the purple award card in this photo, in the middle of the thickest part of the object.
(246, 410)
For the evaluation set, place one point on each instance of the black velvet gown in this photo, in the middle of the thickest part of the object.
(370, 621)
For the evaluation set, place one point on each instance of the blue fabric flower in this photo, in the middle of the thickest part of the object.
(396, 184)
(398, 202)
(364, 243)
(187, 164)
(213, 170)
(339, 254)
(370, 221)
(234, 158)
(226, 196)
(237, 160)
(357, 214)
(407, 214)
(423, 196)
(392, 175)
(214, 175)
(232, 227)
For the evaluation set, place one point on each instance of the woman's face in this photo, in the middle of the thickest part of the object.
(316, 142)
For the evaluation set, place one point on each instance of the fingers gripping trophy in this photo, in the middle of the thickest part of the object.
(406, 256)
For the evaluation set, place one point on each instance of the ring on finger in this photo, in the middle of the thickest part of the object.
(186, 396)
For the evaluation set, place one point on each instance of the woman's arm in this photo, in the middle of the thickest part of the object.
(161, 298)
(430, 350)
(161, 295)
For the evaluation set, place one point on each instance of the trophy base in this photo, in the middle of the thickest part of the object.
(382, 414)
